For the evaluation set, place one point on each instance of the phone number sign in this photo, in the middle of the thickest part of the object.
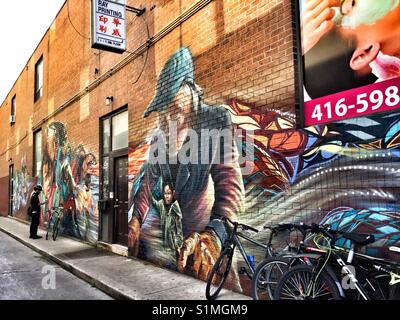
(108, 26)
(378, 97)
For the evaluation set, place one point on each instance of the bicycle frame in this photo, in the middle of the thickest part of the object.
(238, 243)
(57, 214)
(235, 240)
(338, 260)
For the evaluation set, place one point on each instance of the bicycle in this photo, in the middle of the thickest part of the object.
(221, 268)
(218, 274)
(275, 264)
(55, 222)
(376, 278)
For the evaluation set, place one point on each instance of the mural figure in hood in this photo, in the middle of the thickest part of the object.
(204, 192)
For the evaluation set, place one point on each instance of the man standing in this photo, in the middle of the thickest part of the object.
(35, 210)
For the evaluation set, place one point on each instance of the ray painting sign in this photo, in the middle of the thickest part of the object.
(351, 58)
(108, 26)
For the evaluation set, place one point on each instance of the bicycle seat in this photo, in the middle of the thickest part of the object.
(359, 238)
(394, 249)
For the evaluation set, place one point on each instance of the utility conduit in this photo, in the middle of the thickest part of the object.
(142, 48)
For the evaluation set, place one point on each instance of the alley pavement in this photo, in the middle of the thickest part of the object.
(27, 275)
(117, 276)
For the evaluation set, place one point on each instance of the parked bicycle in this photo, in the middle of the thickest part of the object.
(55, 222)
(276, 263)
(219, 272)
(222, 266)
(331, 278)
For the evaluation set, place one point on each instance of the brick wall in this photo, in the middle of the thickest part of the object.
(244, 60)
(4, 196)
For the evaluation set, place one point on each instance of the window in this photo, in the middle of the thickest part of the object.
(39, 79)
(120, 131)
(114, 140)
(106, 136)
(13, 109)
(37, 153)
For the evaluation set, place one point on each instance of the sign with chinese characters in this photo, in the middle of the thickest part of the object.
(108, 26)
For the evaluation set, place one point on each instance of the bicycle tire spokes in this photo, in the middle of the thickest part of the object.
(302, 286)
(267, 276)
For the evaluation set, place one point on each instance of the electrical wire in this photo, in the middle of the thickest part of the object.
(73, 26)
(147, 52)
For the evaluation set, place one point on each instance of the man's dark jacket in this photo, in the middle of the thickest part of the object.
(204, 191)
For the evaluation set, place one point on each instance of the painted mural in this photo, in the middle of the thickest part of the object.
(171, 201)
(70, 179)
(344, 173)
(22, 187)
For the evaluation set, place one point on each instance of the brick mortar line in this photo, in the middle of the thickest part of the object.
(193, 10)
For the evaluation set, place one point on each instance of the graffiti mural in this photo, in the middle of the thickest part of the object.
(70, 178)
(22, 187)
(344, 173)
(173, 201)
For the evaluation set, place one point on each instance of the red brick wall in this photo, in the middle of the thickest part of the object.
(4, 196)
(243, 52)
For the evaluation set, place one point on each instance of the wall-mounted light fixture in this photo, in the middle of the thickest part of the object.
(10, 160)
(109, 100)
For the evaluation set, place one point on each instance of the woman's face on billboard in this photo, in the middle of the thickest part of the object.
(372, 21)
(375, 25)
(365, 12)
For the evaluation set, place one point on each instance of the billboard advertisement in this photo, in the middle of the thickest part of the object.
(351, 58)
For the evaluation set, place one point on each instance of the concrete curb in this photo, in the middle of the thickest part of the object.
(72, 269)
(100, 272)
(44, 230)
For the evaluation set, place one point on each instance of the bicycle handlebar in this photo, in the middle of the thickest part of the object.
(326, 231)
(245, 227)
(314, 228)
(289, 226)
(240, 225)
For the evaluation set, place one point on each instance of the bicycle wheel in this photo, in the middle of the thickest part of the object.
(394, 292)
(56, 228)
(48, 226)
(299, 283)
(266, 277)
(377, 286)
(218, 274)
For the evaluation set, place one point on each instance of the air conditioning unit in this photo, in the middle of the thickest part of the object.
(12, 119)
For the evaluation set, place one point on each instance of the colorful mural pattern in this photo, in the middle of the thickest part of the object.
(343, 173)
(70, 178)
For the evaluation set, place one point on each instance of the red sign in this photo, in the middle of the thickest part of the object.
(378, 97)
